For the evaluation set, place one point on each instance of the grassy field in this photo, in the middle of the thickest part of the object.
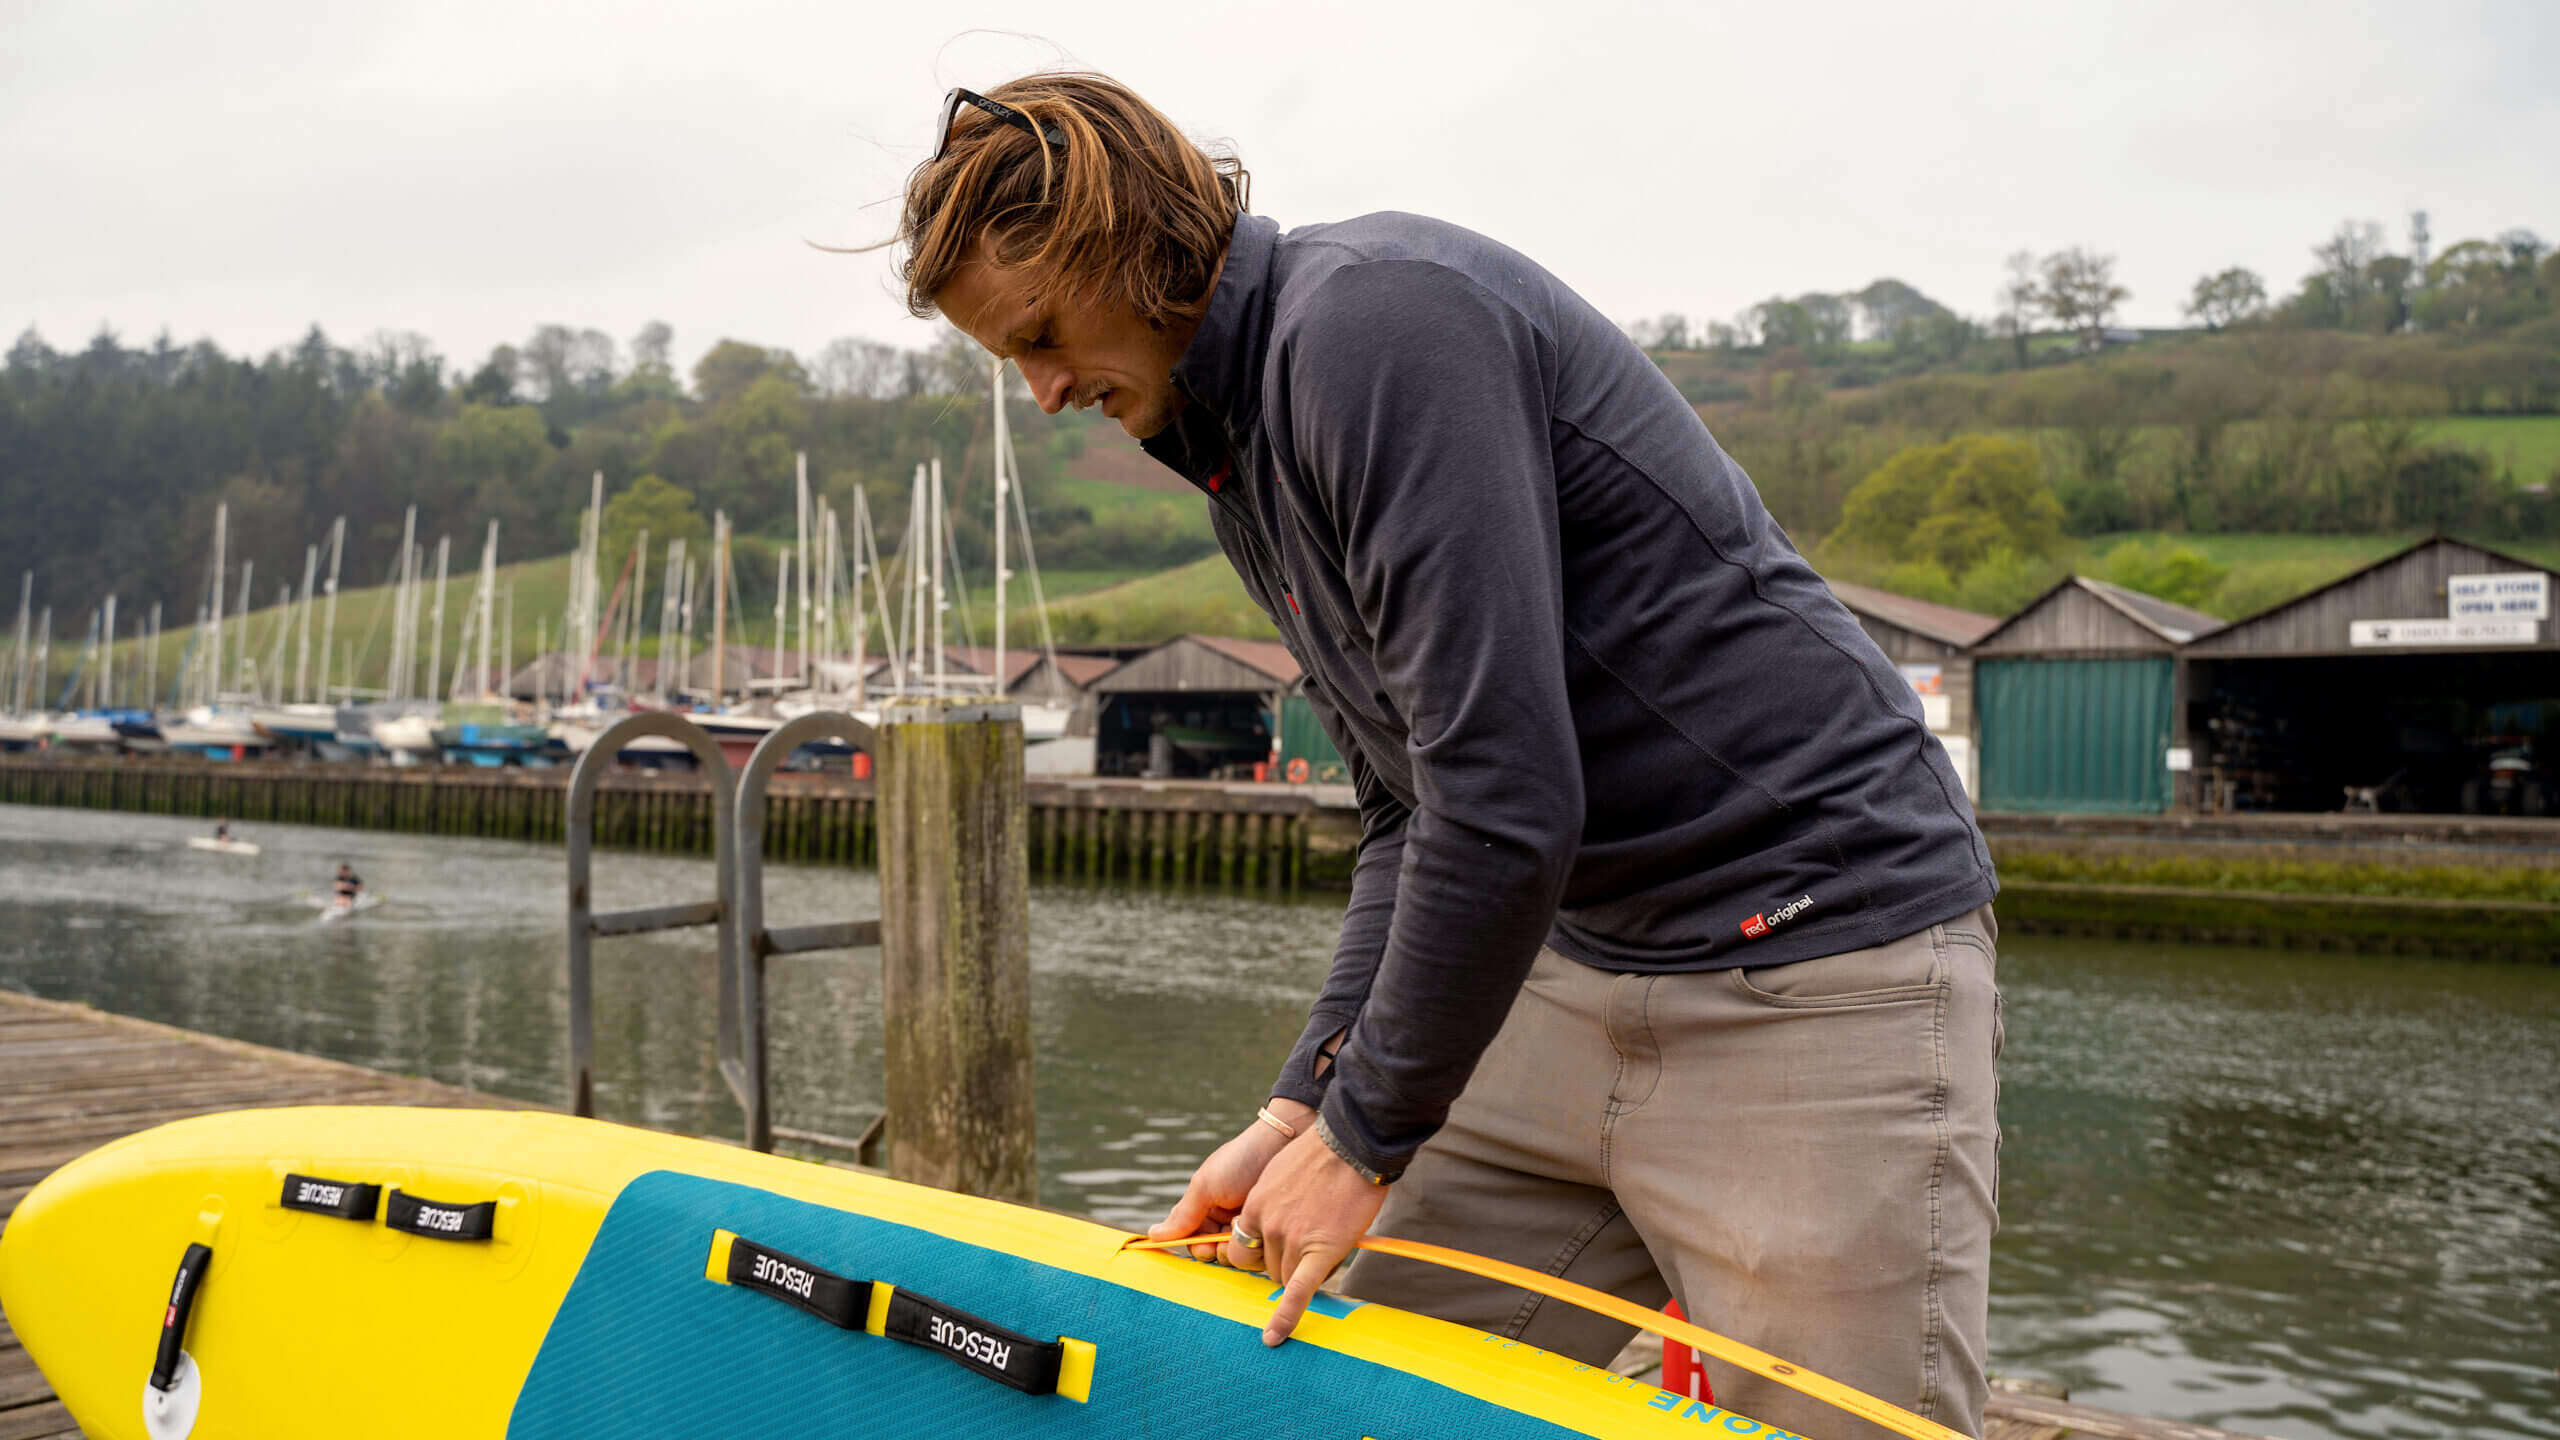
(1203, 597)
(2525, 447)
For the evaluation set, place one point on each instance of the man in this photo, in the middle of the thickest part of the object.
(1668, 960)
(347, 885)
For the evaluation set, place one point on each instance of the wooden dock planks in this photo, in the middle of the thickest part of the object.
(73, 1078)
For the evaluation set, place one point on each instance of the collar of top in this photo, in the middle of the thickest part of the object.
(1221, 371)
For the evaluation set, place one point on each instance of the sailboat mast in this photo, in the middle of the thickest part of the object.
(88, 672)
(435, 651)
(589, 630)
(719, 607)
(488, 599)
(800, 533)
(107, 659)
(302, 642)
(631, 621)
(213, 663)
(248, 578)
(507, 648)
(935, 530)
(684, 636)
(861, 621)
(670, 604)
(404, 609)
(44, 650)
(329, 616)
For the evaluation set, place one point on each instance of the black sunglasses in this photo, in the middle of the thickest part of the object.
(995, 109)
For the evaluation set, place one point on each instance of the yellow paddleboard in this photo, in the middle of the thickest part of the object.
(449, 1274)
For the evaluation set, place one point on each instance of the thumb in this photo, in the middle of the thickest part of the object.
(1185, 1217)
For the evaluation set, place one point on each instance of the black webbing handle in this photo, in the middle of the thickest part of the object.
(973, 1342)
(173, 1320)
(437, 1220)
(1007, 1357)
(795, 1282)
(345, 1199)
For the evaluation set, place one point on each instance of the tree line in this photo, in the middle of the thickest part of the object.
(2050, 308)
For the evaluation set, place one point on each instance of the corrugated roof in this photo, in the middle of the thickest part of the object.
(2175, 623)
(1083, 670)
(1268, 656)
(1938, 622)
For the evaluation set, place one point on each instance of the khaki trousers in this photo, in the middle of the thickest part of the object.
(1807, 1155)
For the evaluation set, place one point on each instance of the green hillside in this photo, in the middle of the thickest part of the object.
(1203, 597)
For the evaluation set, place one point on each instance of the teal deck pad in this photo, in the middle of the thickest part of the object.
(645, 1346)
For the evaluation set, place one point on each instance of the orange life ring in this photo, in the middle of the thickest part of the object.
(1297, 771)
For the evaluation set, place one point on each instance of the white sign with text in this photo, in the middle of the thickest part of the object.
(2524, 595)
(2442, 632)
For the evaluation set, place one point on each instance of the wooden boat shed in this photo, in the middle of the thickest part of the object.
(1196, 705)
(2076, 700)
(2428, 681)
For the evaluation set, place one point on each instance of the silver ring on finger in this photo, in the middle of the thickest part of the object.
(1243, 1237)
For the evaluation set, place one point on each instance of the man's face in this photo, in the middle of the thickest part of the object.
(1070, 354)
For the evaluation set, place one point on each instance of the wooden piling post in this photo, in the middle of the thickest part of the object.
(955, 947)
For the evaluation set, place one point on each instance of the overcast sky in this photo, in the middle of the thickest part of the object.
(240, 171)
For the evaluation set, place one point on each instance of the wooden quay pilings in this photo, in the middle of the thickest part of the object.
(1174, 833)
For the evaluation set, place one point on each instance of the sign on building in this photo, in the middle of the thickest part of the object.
(2523, 595)
(2442, 632)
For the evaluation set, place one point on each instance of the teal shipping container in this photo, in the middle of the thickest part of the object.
(2075, 736)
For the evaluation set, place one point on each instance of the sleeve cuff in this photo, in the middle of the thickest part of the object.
(1343, 1153)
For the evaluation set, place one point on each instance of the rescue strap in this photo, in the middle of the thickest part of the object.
(1733, 1352)
(437, 1220)
(1062, 1367)
(345, 1199)
(173, 1321)
(355, 1200)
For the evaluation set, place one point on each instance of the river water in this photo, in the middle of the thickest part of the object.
(2303, 1195)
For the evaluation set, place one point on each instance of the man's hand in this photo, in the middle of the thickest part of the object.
(1309, 1210)
(1219, 1187)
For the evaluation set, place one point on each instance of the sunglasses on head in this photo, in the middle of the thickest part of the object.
(996, 110)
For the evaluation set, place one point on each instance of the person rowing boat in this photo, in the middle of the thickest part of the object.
(346, 887)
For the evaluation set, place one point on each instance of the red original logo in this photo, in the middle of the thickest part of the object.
(1761, 924)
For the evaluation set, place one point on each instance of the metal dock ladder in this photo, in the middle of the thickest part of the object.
(736, 909)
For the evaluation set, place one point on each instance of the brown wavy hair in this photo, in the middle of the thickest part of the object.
(1127, 212)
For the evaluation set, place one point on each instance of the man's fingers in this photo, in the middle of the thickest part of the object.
(1241, 1255)
(1301, 1291)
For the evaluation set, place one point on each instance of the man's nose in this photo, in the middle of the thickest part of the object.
(1050, 382)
